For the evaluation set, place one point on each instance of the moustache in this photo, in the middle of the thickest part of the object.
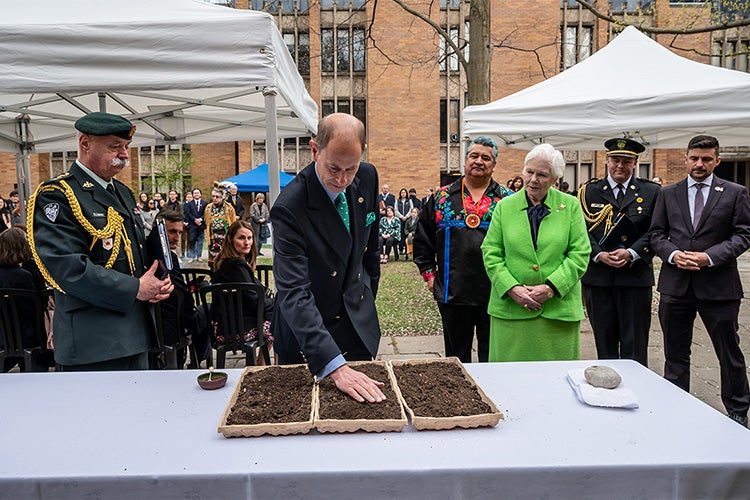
(118, 162)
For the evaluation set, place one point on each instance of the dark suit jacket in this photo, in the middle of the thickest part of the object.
(322, 273)
(723, 233)
(97, 316)
(193, 212)
(239, 208)
(638, 205)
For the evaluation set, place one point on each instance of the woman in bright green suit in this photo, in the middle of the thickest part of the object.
(535, 252)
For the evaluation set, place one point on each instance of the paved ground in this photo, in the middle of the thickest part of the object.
(705, 366)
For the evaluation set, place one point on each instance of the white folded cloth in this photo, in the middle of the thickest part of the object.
(619, 397)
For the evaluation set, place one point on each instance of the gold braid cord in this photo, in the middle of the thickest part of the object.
(114, 229)
(594, 219)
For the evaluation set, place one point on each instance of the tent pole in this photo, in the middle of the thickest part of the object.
(23, 169)
(272, 145)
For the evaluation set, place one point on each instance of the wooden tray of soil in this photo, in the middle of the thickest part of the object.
(339, 412)
(276, 400)
(440, 394)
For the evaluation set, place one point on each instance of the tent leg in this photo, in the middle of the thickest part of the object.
(272, 145)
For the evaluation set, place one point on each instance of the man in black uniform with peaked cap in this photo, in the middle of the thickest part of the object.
(617, 286)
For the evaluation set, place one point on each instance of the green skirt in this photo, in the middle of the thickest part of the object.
(537, 339)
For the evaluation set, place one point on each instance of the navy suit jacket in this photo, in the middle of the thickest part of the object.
(723, 233)
(193, 212)
(324, 274)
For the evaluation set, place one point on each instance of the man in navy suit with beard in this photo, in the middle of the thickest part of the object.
(326, 263)
(700, 226)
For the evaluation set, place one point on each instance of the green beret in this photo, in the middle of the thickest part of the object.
(624, 147)
(105, 124)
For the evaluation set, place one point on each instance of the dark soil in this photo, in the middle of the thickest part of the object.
(273, 395)
(438, 389)
(337, 405)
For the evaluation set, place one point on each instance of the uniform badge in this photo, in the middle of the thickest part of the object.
(51, 210)
(598, 205)
(88, 185)
(621, 144)
(107, 243)
(473, 220)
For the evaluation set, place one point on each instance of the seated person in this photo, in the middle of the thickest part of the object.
(236, 264)
(194, 321)
(17, 270)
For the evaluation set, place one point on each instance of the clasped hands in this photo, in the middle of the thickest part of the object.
(615, 258)
(530, 297)
(692, 261)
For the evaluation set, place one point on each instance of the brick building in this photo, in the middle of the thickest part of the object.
(391, 70)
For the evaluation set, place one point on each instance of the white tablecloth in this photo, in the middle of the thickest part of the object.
(153, 435)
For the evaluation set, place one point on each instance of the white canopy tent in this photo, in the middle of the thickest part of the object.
(633, 87)
(183, 71)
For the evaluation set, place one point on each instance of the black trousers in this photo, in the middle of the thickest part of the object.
(620, 318)
(459, 323)
(386, 244)
(677, 315)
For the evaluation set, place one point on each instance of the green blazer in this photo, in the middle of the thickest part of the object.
(561, 257)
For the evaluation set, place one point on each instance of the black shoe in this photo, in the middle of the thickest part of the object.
(739, 419)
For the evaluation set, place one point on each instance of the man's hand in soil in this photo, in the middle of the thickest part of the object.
(357, 385)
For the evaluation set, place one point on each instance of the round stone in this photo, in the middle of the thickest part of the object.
(602, 376)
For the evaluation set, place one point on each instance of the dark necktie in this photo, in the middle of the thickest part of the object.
(620, 194)
(111, 189)
(699, 203)
(343, 208)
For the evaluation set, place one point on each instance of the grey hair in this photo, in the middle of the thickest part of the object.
(483, 141)
(549, 154)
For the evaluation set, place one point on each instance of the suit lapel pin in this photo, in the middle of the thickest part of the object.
(719, 189)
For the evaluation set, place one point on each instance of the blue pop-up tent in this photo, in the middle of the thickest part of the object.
(256, 180)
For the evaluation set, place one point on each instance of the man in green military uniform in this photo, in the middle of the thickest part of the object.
(87, 239)
(617, 284)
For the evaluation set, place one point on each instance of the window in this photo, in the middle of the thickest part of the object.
(273, 6)
(448, 57)
(643, 6)
(341, 4)
(357, 107)
(449, 120)
(730, 10)
(349, 50)
(731, 54)
(453, 4)
(299, 48)
(576, 174)
(577, 44)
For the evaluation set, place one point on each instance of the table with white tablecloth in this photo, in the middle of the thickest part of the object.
(154, 435)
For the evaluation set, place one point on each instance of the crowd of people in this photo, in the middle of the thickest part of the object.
(513, 264)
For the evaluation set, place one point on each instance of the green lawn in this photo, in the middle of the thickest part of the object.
(405, 306)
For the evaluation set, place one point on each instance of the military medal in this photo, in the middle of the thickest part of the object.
(108, 243)
(473, 220)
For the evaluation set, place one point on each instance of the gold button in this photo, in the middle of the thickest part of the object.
(535, 267)
(333, 274)
(361, 200)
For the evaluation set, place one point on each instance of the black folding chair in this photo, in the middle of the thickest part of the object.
(264, 272)
(195, 279)
(228, 303)
(169, 353)
(19, 310)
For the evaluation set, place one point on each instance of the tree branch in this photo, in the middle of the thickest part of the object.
(663, 31)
